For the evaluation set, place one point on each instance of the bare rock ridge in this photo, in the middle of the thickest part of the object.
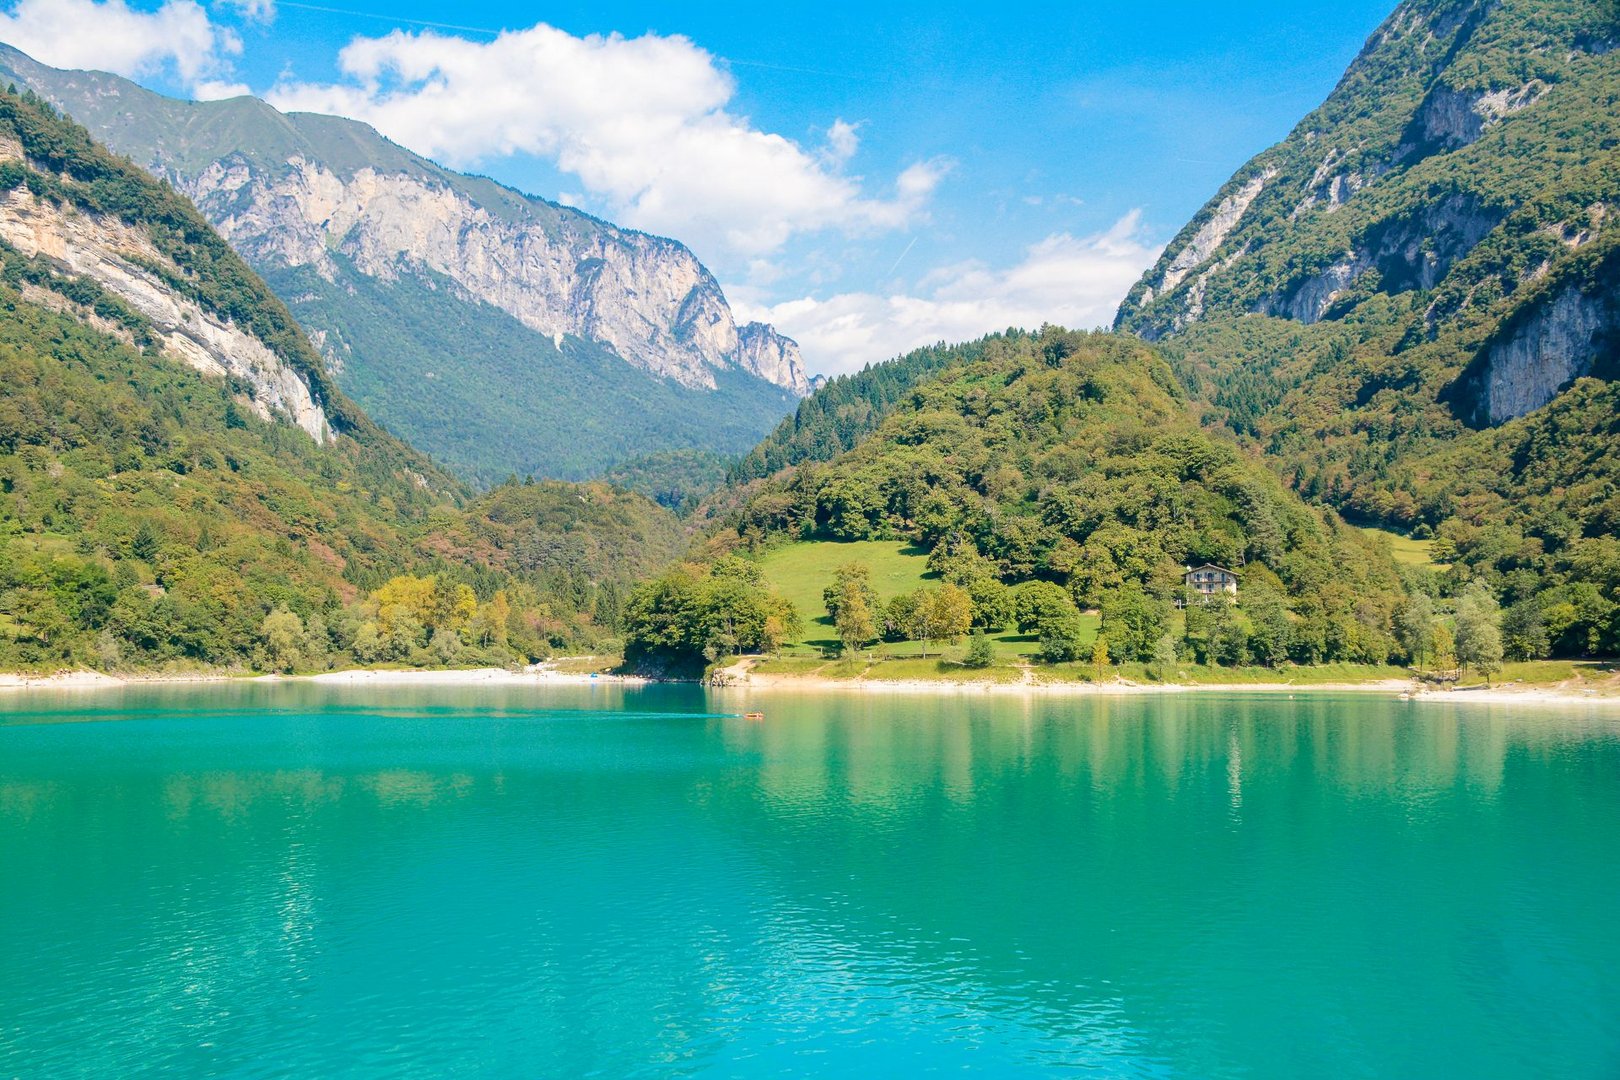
(1210, 234)
(645, 297)
(772, 357)
(299, 190)
(121, 258)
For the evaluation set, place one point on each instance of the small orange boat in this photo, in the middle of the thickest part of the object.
(753, 716)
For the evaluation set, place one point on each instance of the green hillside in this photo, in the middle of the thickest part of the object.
(1046, 474)
(847, 409)
(490, 397)
(148, 516)
(1463, 148)
(1411, 305)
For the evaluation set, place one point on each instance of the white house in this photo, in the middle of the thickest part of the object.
(1209, 579)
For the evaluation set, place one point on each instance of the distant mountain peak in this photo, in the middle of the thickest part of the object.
(287, 188)
(325, 201)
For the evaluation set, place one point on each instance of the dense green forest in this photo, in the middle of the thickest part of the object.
(490, 397)
(149, 516)
(847, 409)
(697, 613)
(1064, 471)
(676, 479)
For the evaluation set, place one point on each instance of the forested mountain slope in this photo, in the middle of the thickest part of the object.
(449, 306)
(180, 481)
(1073, 459)
(843, 411)
(1412, 303)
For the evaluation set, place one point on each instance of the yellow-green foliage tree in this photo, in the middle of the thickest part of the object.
(855, 620)
(283, 640)
(943, 613)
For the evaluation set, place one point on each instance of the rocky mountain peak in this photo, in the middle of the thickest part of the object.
(1427, 148)
(295, 190)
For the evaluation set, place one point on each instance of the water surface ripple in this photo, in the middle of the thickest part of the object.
(298, 881)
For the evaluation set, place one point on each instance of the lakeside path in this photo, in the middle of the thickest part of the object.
(742, 680)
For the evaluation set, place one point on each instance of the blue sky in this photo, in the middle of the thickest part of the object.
(869, 178)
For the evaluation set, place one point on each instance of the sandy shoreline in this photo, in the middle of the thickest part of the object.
(743, 677)
(538, 676)
(1056, 689)
(746, 682)
(1405, 689)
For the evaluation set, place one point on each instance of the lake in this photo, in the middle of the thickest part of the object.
(307, 881)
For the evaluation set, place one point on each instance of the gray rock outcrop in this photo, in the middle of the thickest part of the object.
(647, 298)
(120, 258)
(292, 190)
(1560, 342)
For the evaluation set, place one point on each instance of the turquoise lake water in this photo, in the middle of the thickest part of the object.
(297, 881)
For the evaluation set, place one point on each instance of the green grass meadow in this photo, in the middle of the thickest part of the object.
(800, 571)
(1407, 551)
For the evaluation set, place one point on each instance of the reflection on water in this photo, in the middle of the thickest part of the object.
(308, 880)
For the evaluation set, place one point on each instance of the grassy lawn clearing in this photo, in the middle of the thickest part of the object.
(800, 571)
(1408, 551)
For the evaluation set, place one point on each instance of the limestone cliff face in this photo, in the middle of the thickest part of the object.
(561, 273)
(1209, 233)
(1450, 119)
(121, 259)
(1413, 251)
(1421, 156)
(289, 190)
(1560, 343)
(1571, 331)
(772, 357)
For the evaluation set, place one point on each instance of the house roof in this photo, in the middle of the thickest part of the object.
(1210, 566)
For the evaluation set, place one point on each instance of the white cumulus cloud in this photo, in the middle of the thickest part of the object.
(219, 90)
(260, 11)
(112, 36)
(843, 139)
(1073, 281)
(645, 124)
